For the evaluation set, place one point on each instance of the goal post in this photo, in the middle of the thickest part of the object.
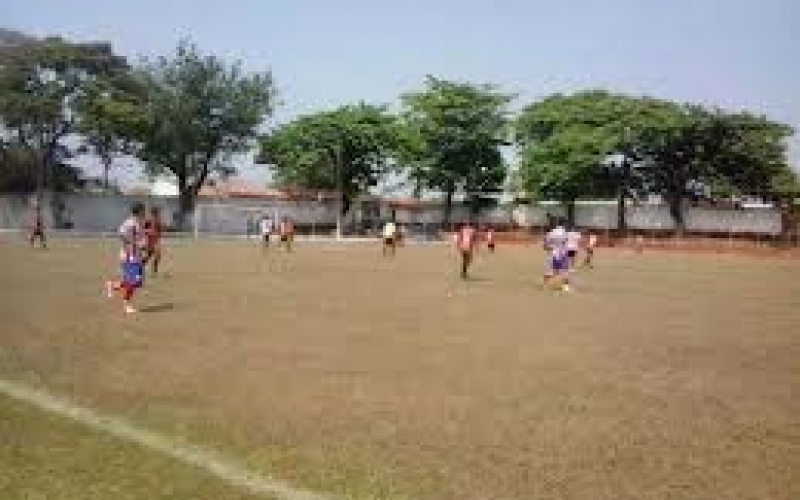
(229, 220)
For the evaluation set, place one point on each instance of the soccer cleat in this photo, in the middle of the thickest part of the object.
(130, 309)
(566, 288)
(109, 289)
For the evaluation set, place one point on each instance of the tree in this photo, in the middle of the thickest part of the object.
(111, 116)
(566, 144)
(688, 149)
(564, 166)
(41, 82)
(347, 150)
(455, 133)
(199, 111)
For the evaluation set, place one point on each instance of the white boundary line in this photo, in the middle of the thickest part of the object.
(230, 472)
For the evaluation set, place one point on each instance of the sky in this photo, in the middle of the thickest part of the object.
(737, 54)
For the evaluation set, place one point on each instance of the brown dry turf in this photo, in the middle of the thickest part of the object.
(662, 377)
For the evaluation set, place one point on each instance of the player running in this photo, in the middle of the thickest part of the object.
(266, 225)
(153, 231)
(591, 243)
(490, 239)
(37, 227)
(286, 229)
(389, 238)
(132, 236)
(465, 244)
(573, 245)
(555, 243)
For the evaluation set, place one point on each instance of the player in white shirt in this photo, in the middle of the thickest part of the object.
(266, 226)
(573, 246)
(389, 238)
(555, 242)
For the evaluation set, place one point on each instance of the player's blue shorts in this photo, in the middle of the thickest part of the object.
(133, 273)
(559, 264)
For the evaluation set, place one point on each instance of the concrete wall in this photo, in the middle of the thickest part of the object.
(87, 213)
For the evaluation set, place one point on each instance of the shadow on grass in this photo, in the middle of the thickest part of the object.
(157, 308)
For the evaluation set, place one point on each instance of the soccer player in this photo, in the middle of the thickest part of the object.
(555, 243)
(490, 239)
(153, 231)
(465, 244)
(389, 238)
(591, 243)
(639, 243)
(131, 234)
(286, 229)
(573, 245)
(266, 226)
(37, 227)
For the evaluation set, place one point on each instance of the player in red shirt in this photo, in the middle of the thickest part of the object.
(37, 227)
(465, 244)
(153, 231)
(132, 237)
(286, 230)
(490, 239)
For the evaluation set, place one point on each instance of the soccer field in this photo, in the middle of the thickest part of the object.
(337, 371)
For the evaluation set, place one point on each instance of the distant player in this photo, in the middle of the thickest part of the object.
(490, 239)
(153, 231)
(266, 225)
(286, 229)
(132, 237)
(389, 238)
(465, 244)
(639, 244)
(555, 243)
(37, 227)
(573, 246)
(591, 243)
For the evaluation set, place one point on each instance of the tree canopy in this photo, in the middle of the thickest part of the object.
(41, 83)
(454, 134)
(348, 150)
(199, 110)
(595, 143)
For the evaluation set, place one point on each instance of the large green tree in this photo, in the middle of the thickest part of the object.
(688, 150)
(454, 134)
(41, 82)
(348, 150)
(199, 111)
(111, 117)
(572, 146)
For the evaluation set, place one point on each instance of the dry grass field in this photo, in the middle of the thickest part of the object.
(663, 376)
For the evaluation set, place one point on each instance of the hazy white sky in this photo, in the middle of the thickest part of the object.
(731, 53)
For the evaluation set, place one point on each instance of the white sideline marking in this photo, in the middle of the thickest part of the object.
(228, 471)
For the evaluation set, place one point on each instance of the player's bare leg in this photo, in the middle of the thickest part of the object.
(155, 257)
(466, 260)
(127, 291)
(588, 259)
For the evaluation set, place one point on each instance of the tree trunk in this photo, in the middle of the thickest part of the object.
(622, 221)
(106, 169)
(448, 208)
(344, 208)
(785, 207)
(570, 204)
(676, 211)
(41, 175)
(186, 205)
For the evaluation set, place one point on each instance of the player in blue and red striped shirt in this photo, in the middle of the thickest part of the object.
(131, 255)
